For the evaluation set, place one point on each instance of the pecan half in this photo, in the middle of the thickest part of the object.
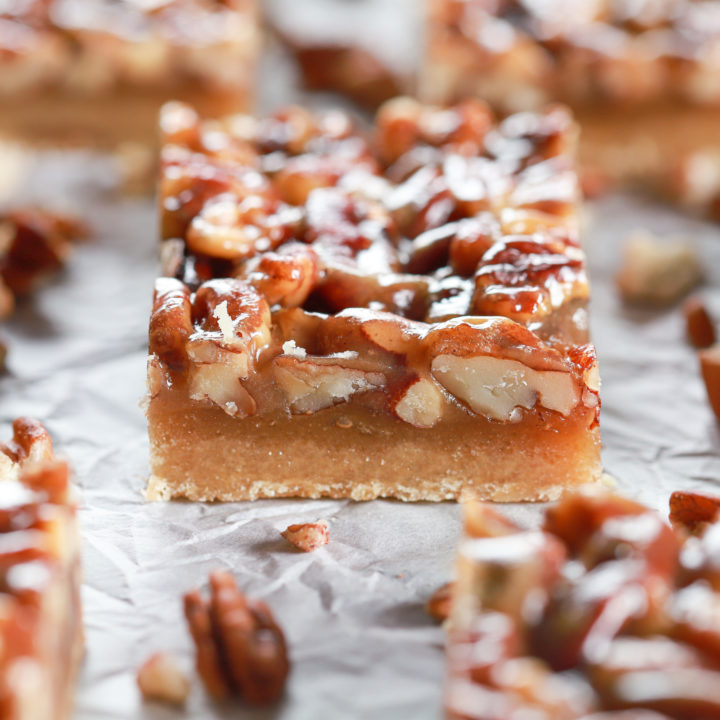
(241, 650)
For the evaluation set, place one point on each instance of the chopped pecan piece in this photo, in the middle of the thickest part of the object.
(31, 442)
(241, 650)
(307, 536)
(655, 273)
(700, 327)
(159, 678)
(439, 603)
(33, 243)
(692, 510)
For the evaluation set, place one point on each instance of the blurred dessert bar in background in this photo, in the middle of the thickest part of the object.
(76, 71)
(41, 637)
(643, 79)
(344, 315)
(605, 608)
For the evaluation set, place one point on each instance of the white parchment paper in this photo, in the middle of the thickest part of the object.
(361, 643)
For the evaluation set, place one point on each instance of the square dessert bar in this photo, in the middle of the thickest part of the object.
(41, 638)
(604, 613)
(398, 314)
(97, 71)
(643, 78)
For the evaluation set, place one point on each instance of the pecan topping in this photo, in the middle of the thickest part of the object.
(324, 267)
(241, 650)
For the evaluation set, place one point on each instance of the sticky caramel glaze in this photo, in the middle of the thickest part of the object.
(348, 451)
(58, 118)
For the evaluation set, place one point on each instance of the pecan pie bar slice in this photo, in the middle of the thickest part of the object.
(398, 315)
(41, 638)
(643, 78)
(603, 612)
(77, 71)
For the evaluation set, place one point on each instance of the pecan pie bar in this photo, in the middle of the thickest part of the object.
(603, 612)
(643, 78)
(401, 314)
(41, 639)
(81, 71)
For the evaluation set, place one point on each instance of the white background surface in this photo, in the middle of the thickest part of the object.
(361, 643)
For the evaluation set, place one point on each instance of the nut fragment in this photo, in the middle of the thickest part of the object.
(307, 536)
(438, 605)
(496, 387)
(692, 510)
(318, 382)
(161, 679)
(241, 650)
(700, 327)
(420, 403)
(710, 368)
(657, 273)
(31, 442)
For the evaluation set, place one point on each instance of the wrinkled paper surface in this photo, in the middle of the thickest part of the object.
(360, 641)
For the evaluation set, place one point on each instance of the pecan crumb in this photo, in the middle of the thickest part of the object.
(710, 368)
(700, 327)
(307, 536)
(240, 649)
(438, 606)
(161, 679)
(657, 273)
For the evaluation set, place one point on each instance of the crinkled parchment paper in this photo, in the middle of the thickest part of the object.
(361, 643)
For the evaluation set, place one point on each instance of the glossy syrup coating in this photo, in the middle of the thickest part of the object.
(619, 621)
(434, 220)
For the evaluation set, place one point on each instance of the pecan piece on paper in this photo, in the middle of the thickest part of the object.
(439, 603)
(307, 537)
(160, 679)
(241, 650)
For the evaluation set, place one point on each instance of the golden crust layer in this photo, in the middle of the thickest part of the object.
(426, 275)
